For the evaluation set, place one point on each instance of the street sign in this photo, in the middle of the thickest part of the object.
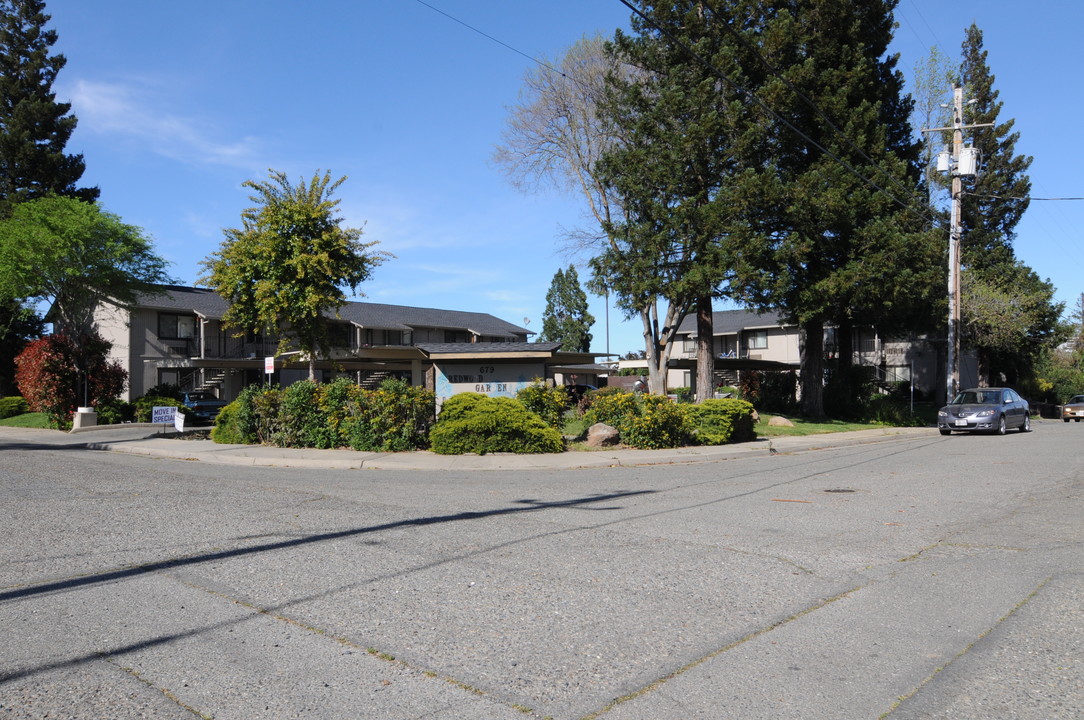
(269, 365)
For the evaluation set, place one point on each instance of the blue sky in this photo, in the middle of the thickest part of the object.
(180, 103)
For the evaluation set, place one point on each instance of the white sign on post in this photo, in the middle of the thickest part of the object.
(163, 415)
(269, 365)
(167, 416)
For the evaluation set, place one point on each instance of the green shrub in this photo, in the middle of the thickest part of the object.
(394, 418)
(302, 421)
(227, 429)
(115, 412)
(683, 394)
(473, 423)
(12, 406)
(170, 390)
(659, 423)
(306, 414)
(611, 408)
(335, 399)
(548, 402)
(237, 423)
(723, 420)
(644, 420)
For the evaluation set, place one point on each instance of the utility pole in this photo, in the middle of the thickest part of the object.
(960, 162)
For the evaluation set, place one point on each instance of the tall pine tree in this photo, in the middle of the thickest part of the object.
(679, 168)
(844, 239)
(566, 318)
(34, 130)
(1009, 313)
(34, 127)
(996, 198)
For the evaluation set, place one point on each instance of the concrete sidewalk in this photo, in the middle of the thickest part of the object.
(151, 441)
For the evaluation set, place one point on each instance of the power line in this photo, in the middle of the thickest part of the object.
(470, 27)
(1016, 197)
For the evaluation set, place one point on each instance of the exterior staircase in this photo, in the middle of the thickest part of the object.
(372, 379)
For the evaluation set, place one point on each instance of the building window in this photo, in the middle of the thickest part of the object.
(758, 339)
(688, 344)
(455, 336)
(340, 335)
(176, 327)
(898, 373)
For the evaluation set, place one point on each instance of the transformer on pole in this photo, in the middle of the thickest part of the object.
(959, 162)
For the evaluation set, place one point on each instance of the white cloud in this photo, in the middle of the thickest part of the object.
(130, 112)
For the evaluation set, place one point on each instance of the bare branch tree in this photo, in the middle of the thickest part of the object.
(555, 136)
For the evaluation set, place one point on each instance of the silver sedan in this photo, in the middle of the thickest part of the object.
(991, 410)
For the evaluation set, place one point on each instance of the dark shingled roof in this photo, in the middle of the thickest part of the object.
(729, 322)
(209, 304)
(202, 301)
(485, 347)
(403, 317)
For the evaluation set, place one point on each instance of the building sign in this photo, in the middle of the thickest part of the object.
(485, 378)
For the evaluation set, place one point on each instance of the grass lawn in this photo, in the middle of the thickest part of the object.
(809, 427)
(27, 420)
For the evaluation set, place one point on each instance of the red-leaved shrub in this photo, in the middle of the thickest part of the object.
(51, 373)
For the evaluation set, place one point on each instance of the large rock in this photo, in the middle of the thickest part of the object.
(779, 421)
(602, 435)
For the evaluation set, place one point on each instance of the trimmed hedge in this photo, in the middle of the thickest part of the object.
(474, 423)
(723, 420)
(12, 406)
(338, 414)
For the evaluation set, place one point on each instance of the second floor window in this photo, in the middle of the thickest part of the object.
(340, 335)
(176, 327)
(758, 340)
(455, 336)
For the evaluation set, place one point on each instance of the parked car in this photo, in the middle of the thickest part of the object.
(204, 405)
(576, 393)
(1074, 409)
(985, 410)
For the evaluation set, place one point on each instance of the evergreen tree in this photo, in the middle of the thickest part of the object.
(566, 319)
(34, 127)
(845, 236)
(996, 198)
(1009, 314)
(18, 326)
(679, 168)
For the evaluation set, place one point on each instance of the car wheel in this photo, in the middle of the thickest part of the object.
(1065, 419)
(1026, 427)
(944, 431)
(1001, 427)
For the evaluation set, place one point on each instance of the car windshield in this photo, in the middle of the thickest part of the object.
(1076, 399)
(201, 396)
(978, 397)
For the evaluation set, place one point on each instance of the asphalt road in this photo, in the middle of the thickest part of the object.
(922, 577)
